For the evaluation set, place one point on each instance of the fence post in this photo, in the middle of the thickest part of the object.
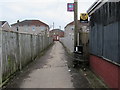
(0, 58)
(31, 47)
(18, 51)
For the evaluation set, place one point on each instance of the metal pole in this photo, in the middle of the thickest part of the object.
(1, 58)
(60, 27)
(75, 23)
(53, 25)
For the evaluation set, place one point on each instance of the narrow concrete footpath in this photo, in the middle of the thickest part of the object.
(48, 71)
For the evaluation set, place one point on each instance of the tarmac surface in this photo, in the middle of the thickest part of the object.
(49, 71)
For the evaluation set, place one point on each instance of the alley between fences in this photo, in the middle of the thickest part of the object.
(49, 71)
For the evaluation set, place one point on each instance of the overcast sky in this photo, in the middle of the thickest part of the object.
(48, 11)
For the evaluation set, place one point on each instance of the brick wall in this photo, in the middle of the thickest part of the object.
(109, 72)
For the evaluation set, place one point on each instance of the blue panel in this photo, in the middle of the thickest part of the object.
(99, 39)
(93, 43)
(119, 42)
(110, 49)
(105, 32)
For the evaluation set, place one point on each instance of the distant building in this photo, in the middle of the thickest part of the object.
(83, 35)
(31, 26)
(82, 29)
(5, 26)
(56, 34)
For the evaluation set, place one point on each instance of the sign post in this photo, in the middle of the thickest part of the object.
(74, 7)
(76, 24)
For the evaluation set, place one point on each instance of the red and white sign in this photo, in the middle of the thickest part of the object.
(70, 7)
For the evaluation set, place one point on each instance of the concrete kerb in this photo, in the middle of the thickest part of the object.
(94, 80)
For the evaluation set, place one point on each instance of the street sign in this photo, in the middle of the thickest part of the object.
(83, 17)
(70, 7)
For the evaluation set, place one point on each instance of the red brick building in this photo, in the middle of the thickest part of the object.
(56, 34)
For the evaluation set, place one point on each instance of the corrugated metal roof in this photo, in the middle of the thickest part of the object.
(98, 4)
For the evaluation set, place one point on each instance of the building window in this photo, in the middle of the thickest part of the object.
(42, 28)
(72, 28)
(17, 28)
(26, 29)
(33, 28)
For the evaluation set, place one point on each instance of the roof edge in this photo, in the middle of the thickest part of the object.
(72, 23)
(30, 20)
(3, 23)
(96, 5)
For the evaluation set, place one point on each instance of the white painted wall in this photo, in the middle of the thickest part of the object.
(31, 29)
(6, 26)
(68, 39)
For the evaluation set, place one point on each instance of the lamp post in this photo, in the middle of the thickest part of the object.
(75, 24)
(53, 25)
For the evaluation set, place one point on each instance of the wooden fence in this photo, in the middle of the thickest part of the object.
(18, 49)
